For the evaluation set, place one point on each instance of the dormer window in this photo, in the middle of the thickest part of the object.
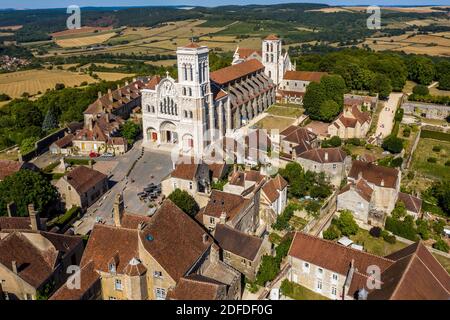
(112, 267)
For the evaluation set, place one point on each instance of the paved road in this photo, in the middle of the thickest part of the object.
(386, 118)
(156, 164)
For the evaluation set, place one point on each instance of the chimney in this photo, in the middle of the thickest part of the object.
(11, 208)
(326, 155)
(34, 218)
(91, 166)
(359, 175)
(126, 83)
(223, 217)
(14, 266)
(205, 238)
(99, 94)
(118, 210)
(90, 123)
(382, 183)
(110, 95)
(107, 117)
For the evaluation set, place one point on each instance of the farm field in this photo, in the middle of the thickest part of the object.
(164, 63)
(424, 151)
(84, 41)
(437, 44)
(32, 81)
(113, 76)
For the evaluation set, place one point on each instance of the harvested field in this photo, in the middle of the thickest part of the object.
(84, 41)
(113, 76)
(32, 81)
(82, 30)
(13, 28)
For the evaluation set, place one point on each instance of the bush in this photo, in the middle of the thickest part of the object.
(396, 162)
(347, 224)
(437, 148)
(62, 220)
(333, 142)
(392, 144)
(421, 90)
(282, 222)
(4, 97)
(332, 233)
(355, 141)
(268, 270)
(432, 160)
(437, 135)
(406, 132)
(184, 201)
(389, 238)
(447, 163)
(441, 245)
(59, 86)
(401, 228)
(375, 232)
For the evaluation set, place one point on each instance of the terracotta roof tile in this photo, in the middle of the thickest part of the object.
(324, 155)
(272, 37)
(304, 75)
(64, 141)
(412, 203)
(375, 174)
(83, 178)
(229, 203)
(244, 53)
(196, 287)
(228, 74)
(272, 188)
(8, 167)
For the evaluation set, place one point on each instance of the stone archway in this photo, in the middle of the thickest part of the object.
(152, 134)
(188, 142)
(168, 133)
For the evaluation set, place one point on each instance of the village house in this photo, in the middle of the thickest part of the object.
(364, 103)
(413, 204)
(32, 222)
(333, 162)
(81, 187)
(241, 251)
(244, 182)
(351, 123)
(343, 273)
(140, 263)
(371, 192)
(33, 261)
(296, 140)
(62, 146)
(273, 199)
(237, 211)
(294, 83)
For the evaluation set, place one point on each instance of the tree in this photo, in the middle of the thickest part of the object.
(335, 88)
(333, 142)
(403, 228)
(4, 97)
(346, 223)
(59, 86)
(314, 96)
(184, 201)
(130, 131)
(381, 84)
(441, 245)
(441, 191)
(444, 81)
(268, 270)
(399, 211)
(332, 233)
(25, 187)
(51, 120)
(28, 144)
(328, 110)
(421, 90)
(392, 144)
(421, 70)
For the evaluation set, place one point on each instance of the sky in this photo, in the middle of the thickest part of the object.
(35, 4)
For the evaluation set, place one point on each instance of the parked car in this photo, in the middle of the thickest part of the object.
(107, 155)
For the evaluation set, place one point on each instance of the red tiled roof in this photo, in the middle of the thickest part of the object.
(228, 74)
(374, 174)
(18, 223)
(237, 242)
(83, 178)
(154, 81)
(412, 203)
(333, 256)
(185, 171)
(304, 75)
(272, 37)
(192, 45)
(64, 141)
(272, 186)
(196, 287)
(244, 53)
(361, 187)
(229, 203)
(324, 155)
(8, 167)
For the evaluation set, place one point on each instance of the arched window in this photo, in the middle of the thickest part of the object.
(270, 74)
(184, 70)
(185, 114)
(271, 47)
(148, 108)
(267, 57)
(153, 109)
(267, 47)
(184, 91)
(271, 57)
(200, 74)
(191, 73)
(190, 92)
(191, 115)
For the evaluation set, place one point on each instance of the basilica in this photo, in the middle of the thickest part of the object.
(201, 107)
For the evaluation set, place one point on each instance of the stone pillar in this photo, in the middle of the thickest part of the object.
(220, 112)
(211, 121)
(34, 218)
(228, 115)
(11, 208)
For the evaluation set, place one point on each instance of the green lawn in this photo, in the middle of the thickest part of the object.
(271, 122)
(298, 292)
(291, 112)
(297, 223)
(424, 151)
(374, 245)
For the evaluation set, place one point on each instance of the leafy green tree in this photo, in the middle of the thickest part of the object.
(51, 120)
(268, 270)
(283, 248)
(130, 131)
(392, 144)
(328, 110)
(423, 229)
(346, 223)
(25, 187)
(421, 70)
(28, 144)
(444, 81)
(184, 201)
(381, 84)
(404, 228)
(332, 233)
(335, 88)
(441, 245)
(314, 97)
(4, 97)
(399, 211)
(333, 142)
(59, 86)
(421, 90)
(441, 191)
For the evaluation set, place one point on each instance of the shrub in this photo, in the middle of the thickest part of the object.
(355, 141)
(423, 229)
(59, 86)
(392, 144)
(282, 222)
(332, 233)
(184, 201)
(421, 90)
(375, 232)
(441, 245)
(389, 238)
(401, 228)
(347, 224)
(447, 163)
(268, 270)
(406, 132)
(4, 97)
(432, 160)
(396, 162)
(437, 148)
(437, 135)
(333, 142)
(67, 216)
